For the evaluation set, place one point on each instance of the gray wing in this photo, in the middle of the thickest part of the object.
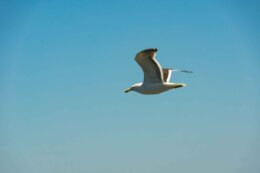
(167, 72)
(151, 68)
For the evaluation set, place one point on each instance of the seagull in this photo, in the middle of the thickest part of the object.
(156, 79)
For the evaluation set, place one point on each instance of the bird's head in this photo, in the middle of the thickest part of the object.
(128, 89)
(134, 87)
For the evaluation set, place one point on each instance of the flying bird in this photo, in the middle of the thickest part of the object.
(156, 79)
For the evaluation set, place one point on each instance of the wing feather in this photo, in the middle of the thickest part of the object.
(151, 67)
(167, 72)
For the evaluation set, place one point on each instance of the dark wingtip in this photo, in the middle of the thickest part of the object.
(187, 71)
(150, 49)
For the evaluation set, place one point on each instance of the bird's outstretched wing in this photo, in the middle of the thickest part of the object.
(167, 72)
(151, 68)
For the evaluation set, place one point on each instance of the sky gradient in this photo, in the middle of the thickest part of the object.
(64, 66)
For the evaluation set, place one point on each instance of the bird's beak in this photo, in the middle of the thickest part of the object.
(127, 90)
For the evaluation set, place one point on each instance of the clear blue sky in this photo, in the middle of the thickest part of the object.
(65, 64)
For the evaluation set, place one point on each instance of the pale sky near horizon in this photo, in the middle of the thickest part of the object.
(64, 66)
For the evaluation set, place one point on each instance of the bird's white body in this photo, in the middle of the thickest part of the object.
(155, 88)
(156, 78)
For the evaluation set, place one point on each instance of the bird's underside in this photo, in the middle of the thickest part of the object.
(158, 88)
